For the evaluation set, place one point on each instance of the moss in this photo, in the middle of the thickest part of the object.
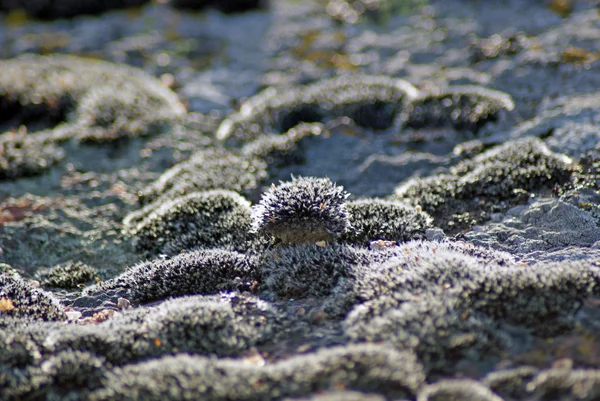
(55, 9)
(212, 219)
(340, 396)
(490, 182)
(429, 324)
(307, 270)
(365, 367)
(284, 150)
(26, 157)
(372, 101)
(497, 46)
(464, 108)
(23, 299)
(68, 275)
(207, 169)
(197, 272)
(54, 98)
(510, 383)
(457, 390)
(376, 219)
(307, 209)
(580, 384)
(201, 325)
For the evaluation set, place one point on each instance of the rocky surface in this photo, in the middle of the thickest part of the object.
(325, 200)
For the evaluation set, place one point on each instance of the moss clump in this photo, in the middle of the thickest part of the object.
(20, 298)
(364, 367)
(376, 219)
(69, 275)
(490, 182)
(205, 170)
(201, 325)
(307, 270)
(579, 384)
(305, 210)
(55, 9)
(510, 383)
(457, 390)
(464, 108)
(39, 94)
(212, 219)
(197, 272)
(284, 150)
(372, 101)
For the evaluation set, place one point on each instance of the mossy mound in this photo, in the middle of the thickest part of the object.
(307, 270)
(457, 390)
(20, 298)
(304, 210)
(490, 182)
(464, 108)
(45, 100)
(445, 305)
(377, 219)
(201, 325)
(212, 219)
(68, 276)
(207, 169)
(371, 101)
(196, 272)
(284, 150)
(364, 368)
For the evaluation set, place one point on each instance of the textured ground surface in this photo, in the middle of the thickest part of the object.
(155, 245)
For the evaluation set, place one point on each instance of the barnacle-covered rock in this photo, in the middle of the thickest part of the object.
(212, 219)
(376, 219)
(207, 169)
(54, 98)
(364, 367)
(371, 101)
(21, 298)
(304, 210)
(54, 9)
(464, 108)
(196, 272)
(487, 183)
